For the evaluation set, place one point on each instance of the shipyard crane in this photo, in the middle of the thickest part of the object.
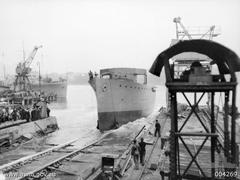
(177, 20)
(208, 34)
(23, 69)
(183, 33)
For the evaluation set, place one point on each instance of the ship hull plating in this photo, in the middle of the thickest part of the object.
(121, 101)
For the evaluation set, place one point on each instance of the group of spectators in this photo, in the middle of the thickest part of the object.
(13, 113)
(90, 73)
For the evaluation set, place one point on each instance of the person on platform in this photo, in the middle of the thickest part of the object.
(135, 154)
(14, 114)
(90, 75)
(142, 150)
(34, 113)
(42, 104)
(157, 129)
(48, 112)
(27, 115)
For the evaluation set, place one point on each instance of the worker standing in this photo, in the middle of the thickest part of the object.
(142, 150)
(157, 129)
(135, 154)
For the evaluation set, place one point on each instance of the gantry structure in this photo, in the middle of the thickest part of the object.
(199, 81)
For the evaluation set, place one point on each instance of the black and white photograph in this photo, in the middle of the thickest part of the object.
(119, 89)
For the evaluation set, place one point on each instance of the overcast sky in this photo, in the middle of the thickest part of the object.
(79, 35)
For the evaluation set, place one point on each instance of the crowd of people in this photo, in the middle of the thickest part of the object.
(13, 114)
(39, 110)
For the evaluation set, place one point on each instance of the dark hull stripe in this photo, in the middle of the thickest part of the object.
(111, 120)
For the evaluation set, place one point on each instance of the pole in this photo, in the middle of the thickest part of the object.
(177, 31)
(226, 132)
(173, 142)
(213, 143)
(39, 77)
(233, 129)
(4, 68)
(195, 100)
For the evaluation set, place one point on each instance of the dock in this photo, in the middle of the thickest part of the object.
(68, 162)
(65, 161)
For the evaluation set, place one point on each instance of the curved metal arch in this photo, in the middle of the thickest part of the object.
(227, 61)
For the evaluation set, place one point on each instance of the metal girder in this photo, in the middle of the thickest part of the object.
(194, 157)
(212, 132)
(192, 110)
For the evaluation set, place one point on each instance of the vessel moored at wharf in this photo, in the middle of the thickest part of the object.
(121, 97)
(52, 90)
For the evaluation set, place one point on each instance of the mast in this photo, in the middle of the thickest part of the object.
(39, 76)
(24, 54)
(4, 67)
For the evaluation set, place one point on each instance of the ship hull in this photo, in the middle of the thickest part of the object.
(121, 101)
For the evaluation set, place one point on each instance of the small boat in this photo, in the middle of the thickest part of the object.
(123, 95)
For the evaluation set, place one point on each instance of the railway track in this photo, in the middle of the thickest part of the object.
(45, 164)
(29, 168)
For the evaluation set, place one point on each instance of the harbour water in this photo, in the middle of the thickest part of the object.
(78, 118)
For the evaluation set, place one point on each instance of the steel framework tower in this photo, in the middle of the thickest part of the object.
(228, 63)
(23, 69)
